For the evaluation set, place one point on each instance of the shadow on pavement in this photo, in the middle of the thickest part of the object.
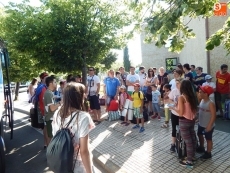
(25, 153)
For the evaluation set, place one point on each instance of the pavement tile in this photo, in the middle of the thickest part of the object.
(149, 151)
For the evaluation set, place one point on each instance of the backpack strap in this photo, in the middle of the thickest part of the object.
(67, 125)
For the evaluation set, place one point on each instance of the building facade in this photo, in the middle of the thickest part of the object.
(194, 50)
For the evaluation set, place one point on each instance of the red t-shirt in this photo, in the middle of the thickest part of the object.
(222, 82)
(40, 101)
(113, 105)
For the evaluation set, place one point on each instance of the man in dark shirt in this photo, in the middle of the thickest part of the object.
(200, 77)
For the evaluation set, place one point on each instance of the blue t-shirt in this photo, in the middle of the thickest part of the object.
(155, 96)
(111, 85)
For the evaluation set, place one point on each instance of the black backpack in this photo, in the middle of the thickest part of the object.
(60, 151)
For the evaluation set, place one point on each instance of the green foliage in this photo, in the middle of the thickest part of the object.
(166, 23)
(60, 32)
(126, 60)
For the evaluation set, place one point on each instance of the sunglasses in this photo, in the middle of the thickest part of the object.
(90, 70)
(150, 71)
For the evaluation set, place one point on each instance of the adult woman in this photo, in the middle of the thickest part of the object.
(161, 79)
(180, 67)
(151, 79)
(80, 126)
(173, 98)
(31, 88)
(188, 74)
(177, 74)
(186, 109)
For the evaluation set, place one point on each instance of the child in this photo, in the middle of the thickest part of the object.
(156, 101)
(186, 109)
(124, 100)
(207, 116)
(167, 90)
(209, 82)
(138, 102)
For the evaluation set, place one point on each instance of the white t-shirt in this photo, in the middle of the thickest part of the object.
(143, 77)
(174, 95)
(211, 84)
(79, 128)
(173, 84)
(92, 82)
(132, 78)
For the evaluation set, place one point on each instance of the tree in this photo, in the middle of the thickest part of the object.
(126, 59)
(166, 23)
(61, 33)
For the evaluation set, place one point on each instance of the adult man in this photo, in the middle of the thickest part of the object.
(111, 87)
(124, 75)
(143, 77)
(193, 70)
(50, 107)
(222, 87)
(200, 77)
(40, 105)
(131, 79)
(93, 89)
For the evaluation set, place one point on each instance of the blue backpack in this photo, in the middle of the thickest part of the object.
(60, 151)
(38, 91)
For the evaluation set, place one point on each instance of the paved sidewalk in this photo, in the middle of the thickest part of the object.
(121, 149)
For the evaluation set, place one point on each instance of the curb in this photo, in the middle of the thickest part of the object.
(108, 165)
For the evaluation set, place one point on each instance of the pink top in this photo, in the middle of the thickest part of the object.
(188, 114)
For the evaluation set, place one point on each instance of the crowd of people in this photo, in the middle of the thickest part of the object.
(186, 92)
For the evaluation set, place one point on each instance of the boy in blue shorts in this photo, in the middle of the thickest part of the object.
(207, 117)
(138, 102)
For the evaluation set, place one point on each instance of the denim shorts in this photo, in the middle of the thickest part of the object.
(156, 107)
(201, 131)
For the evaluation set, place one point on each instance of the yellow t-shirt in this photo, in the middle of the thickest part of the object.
(137, 101)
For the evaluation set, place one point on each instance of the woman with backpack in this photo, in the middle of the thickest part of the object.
(72, 112)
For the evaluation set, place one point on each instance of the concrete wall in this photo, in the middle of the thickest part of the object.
(194, 49)
(153, 56)
(218, 55)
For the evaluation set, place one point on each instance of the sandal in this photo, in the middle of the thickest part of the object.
(97, 122)
(123, 122)
(127, 124)
(164, 125)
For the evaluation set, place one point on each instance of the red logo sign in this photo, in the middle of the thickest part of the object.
(220, 9)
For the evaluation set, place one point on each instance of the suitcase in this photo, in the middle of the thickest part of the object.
(180, 144)
(34, 118)
(227, 109)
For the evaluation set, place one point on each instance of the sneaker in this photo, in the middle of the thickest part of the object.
(200, 149)
(173, 148)
(159, 117)
(136, 126)
(186, 164)
(164, 125)
(193, 159)
(154, 116)
(142, 129)
(206, 155)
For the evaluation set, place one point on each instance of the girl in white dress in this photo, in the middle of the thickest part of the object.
(80, 126)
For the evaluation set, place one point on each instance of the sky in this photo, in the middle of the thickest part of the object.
(134, 45)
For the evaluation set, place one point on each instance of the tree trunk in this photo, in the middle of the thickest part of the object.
(16, 91)
(84, 71)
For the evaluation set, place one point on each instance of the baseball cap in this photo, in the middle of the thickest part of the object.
(207, 89)
(136, 85)
(123, 87)
(208, 77)
(43, 75)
